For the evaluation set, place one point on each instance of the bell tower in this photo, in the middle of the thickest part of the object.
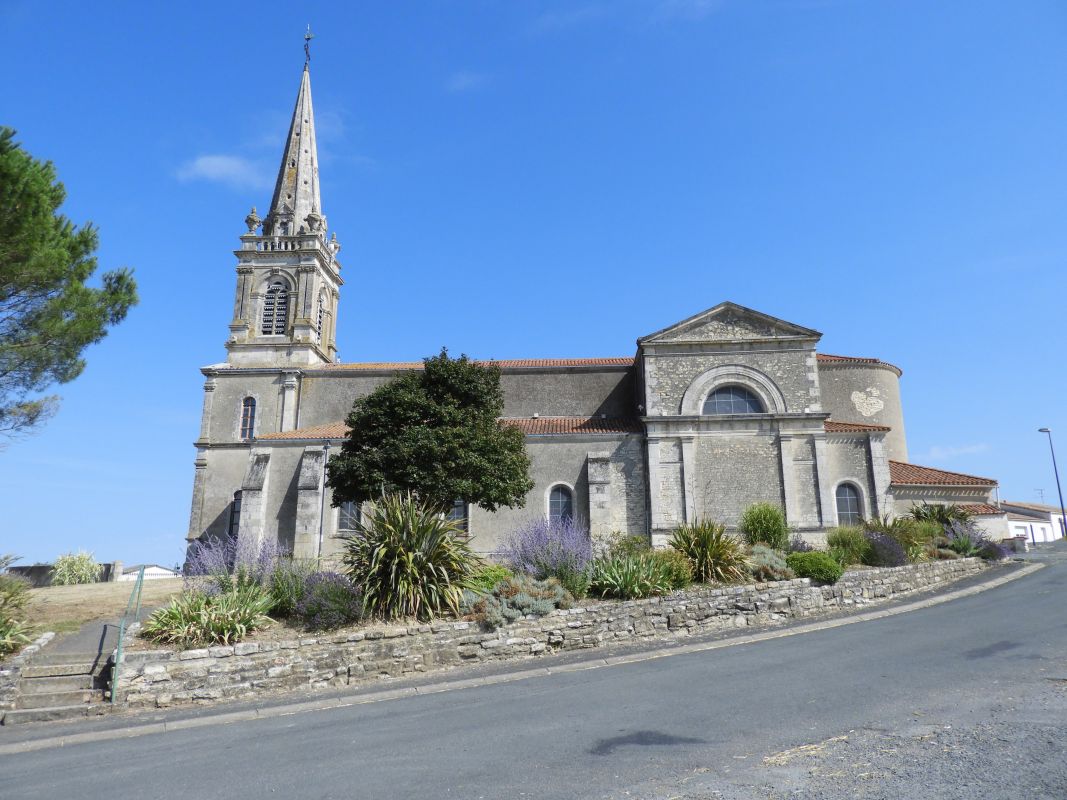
(288, 275)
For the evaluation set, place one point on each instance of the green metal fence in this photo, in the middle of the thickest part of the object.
(132, 614)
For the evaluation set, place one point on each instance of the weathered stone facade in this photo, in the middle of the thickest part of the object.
(631, 439)
(167, 677)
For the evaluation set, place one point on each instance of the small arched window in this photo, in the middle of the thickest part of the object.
(849, 505)
(275, 309)
(732, 400)
(248, 418)
(560, 504)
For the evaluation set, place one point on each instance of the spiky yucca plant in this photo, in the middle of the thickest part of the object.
(408, 560)
(716, 556)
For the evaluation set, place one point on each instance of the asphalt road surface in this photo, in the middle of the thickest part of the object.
(967, 699)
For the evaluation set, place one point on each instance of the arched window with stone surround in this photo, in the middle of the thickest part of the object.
(248, 418)
(849, 505)
(275, 309)
(732, 399)
(560, 503)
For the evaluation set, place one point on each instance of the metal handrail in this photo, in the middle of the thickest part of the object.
(133, 603)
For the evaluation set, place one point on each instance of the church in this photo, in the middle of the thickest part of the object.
(707, 416)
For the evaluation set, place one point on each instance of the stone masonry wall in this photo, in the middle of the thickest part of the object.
(11, 670)
(167, 677)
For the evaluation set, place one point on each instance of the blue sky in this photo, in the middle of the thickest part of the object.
(539, 179)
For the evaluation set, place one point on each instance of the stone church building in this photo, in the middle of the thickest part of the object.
(709, 415)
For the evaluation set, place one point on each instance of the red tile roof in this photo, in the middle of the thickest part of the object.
(505, 364)
(555, 426)
(981, 509)
(331, 430)
(541, 426)
(914, 475)
(852, 427)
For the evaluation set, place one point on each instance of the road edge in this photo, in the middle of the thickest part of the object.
(437, 687)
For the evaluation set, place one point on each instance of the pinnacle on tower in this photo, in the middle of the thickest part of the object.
(296, 206)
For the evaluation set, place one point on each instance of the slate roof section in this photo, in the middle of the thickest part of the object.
(915, 475)
(852, 427)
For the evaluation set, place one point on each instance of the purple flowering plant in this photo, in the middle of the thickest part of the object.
(557, 548)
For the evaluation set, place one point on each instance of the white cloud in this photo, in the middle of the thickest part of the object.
(948, 452)
(465, 81)
(233, 171)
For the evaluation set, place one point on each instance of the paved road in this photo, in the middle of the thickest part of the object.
(962, 700)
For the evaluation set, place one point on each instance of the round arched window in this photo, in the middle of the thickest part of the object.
(732, 400)
(560, 504)
(849, 505)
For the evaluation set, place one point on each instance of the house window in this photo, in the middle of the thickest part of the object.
(275, 309)
(458, 513)
(732, 400)
(849, 506)
(348, 516)
(235, 515)
(248, 418)
(560, 504)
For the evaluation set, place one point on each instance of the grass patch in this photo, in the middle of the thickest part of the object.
(64, 609)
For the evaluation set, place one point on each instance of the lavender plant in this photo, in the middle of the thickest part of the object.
(884, 551)
(559, 549)
(329, 601)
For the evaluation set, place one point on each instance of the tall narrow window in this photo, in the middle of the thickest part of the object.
(235, 515)
(458, 513)
(560, 504)
(275, 309)
(322, 314)
(248, 418)
(849, 506)
(348, 516)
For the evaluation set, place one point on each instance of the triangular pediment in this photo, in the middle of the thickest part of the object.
(729, 322)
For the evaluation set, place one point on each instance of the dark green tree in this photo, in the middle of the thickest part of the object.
(435, 432)
(48, 316)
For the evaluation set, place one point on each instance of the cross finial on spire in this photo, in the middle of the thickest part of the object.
(307, 45)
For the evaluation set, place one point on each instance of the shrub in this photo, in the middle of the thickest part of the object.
(13, 635)
(852, 546)
(14, 594)
(515, 598)
(914, 536)
(714, 554)
(74, 568)
(630, 576)
(885, 551)
(940, 513)
(487, 576)
(798, 544)
(768, 565)
(817, 565)
(552, 549)
(966, 539)
(947, 555)
(195, 618)
(329, 601)
(623, 544)
(408, 560)
(764, 523)
(992, 551)
(288, 585)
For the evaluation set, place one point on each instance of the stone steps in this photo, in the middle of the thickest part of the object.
(58, 686)
(52, 713)
(58, 683)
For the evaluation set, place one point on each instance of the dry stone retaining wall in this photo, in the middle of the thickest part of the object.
(168, 677)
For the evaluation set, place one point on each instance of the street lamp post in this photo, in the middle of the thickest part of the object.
(1056, 472)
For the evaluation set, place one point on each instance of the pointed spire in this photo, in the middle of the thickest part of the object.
(296, 204)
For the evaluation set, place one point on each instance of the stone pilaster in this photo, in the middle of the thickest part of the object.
(290, 384)
(252, 525)
(598, 467)
(881, 503)
(827, 506)
(196, 511)
(310, 505)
